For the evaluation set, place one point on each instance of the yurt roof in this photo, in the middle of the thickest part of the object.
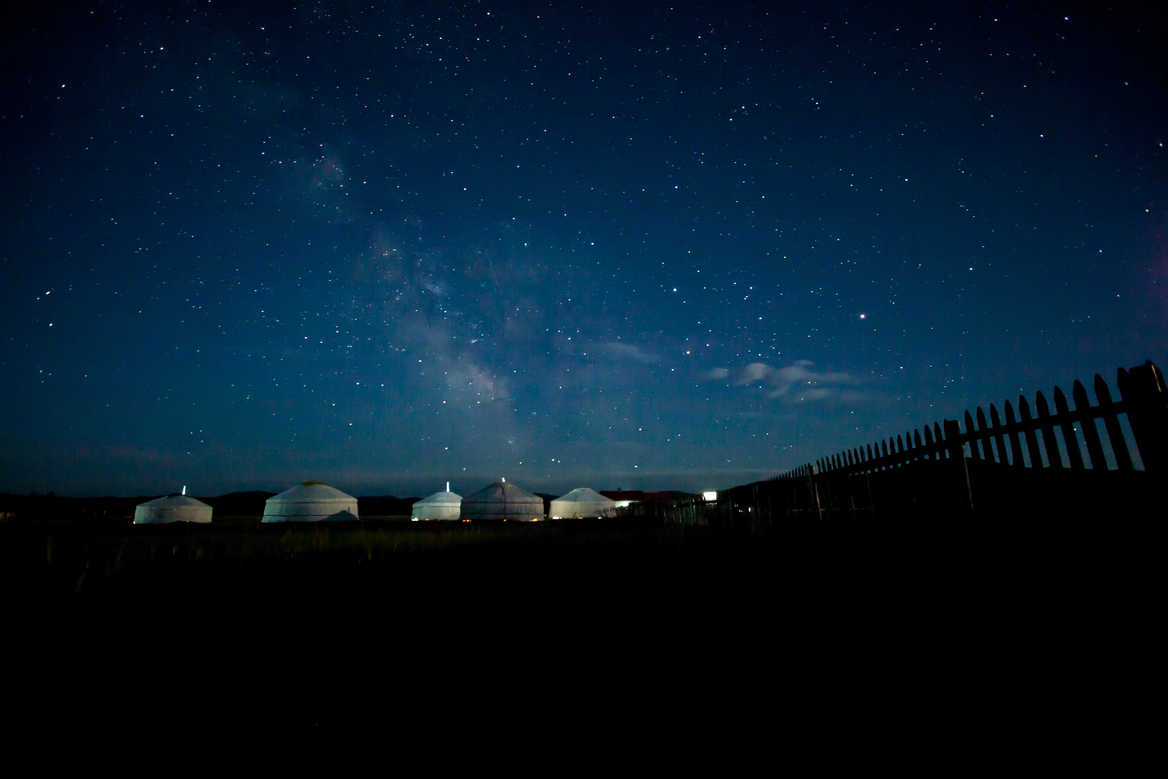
(311, 492)
(585, 495)
(172, 508)
(442, 496)
(175, 501)
(501, 492)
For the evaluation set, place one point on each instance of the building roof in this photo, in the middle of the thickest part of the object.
(311, 492)
(172, 508)
(502, 500)
(581, 502)
(584, 495)
(441, 505)
(310, 502)
(442, 496)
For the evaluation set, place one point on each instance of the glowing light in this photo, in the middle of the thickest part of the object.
(710, 495)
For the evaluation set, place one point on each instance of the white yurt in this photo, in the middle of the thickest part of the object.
(440, 505)
(502, 500)
(172, 508)
(582, 502)
(312, 501)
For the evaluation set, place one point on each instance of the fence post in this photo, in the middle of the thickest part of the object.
(814, 489)
(957, 456)
(1144, 392)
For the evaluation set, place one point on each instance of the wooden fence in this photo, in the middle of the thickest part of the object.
(1044, 463)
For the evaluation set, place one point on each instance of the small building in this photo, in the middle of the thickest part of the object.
(502, 500)
(172, 508)
(580, 503)
(440, 505)
(312, 501)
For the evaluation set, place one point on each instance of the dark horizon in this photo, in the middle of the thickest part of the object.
(471, 483)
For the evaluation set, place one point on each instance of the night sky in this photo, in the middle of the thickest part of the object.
(385, 245)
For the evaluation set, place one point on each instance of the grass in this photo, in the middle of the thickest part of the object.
(61, 554)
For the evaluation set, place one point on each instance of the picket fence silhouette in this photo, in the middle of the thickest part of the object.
(1040, 463)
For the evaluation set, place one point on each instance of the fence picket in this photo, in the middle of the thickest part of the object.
(1015, 446)
(943, 454)
(969, 436)
(999, 438)
(931, 455)
(1090, 432)
(983, 435)
(1046, 428)
(955, 449)
(1111, 424)
(1068, 429)
(1028, 433)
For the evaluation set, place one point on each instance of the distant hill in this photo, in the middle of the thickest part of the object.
(51, 507)
(384, 506)
(668, 496)
(239, 504)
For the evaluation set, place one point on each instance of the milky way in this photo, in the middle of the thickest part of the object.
(685, 247)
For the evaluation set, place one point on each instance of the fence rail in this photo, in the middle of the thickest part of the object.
(1144, 400)
(1018, 458)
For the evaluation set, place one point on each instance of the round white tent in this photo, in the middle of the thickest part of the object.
(312, 501)
(172, 508)
(440, 505)
(503, 500)
(582, 502)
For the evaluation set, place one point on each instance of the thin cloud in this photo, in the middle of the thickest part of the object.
(754, 372)
(618, 350)
(797, 382)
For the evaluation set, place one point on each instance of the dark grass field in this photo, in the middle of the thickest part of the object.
(235, 554)
(393, 626)
(56, 551)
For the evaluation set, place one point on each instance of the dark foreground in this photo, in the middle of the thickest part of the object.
(652, 628)
(237, 557)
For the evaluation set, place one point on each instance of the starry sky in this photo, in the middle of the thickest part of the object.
(611, 245)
